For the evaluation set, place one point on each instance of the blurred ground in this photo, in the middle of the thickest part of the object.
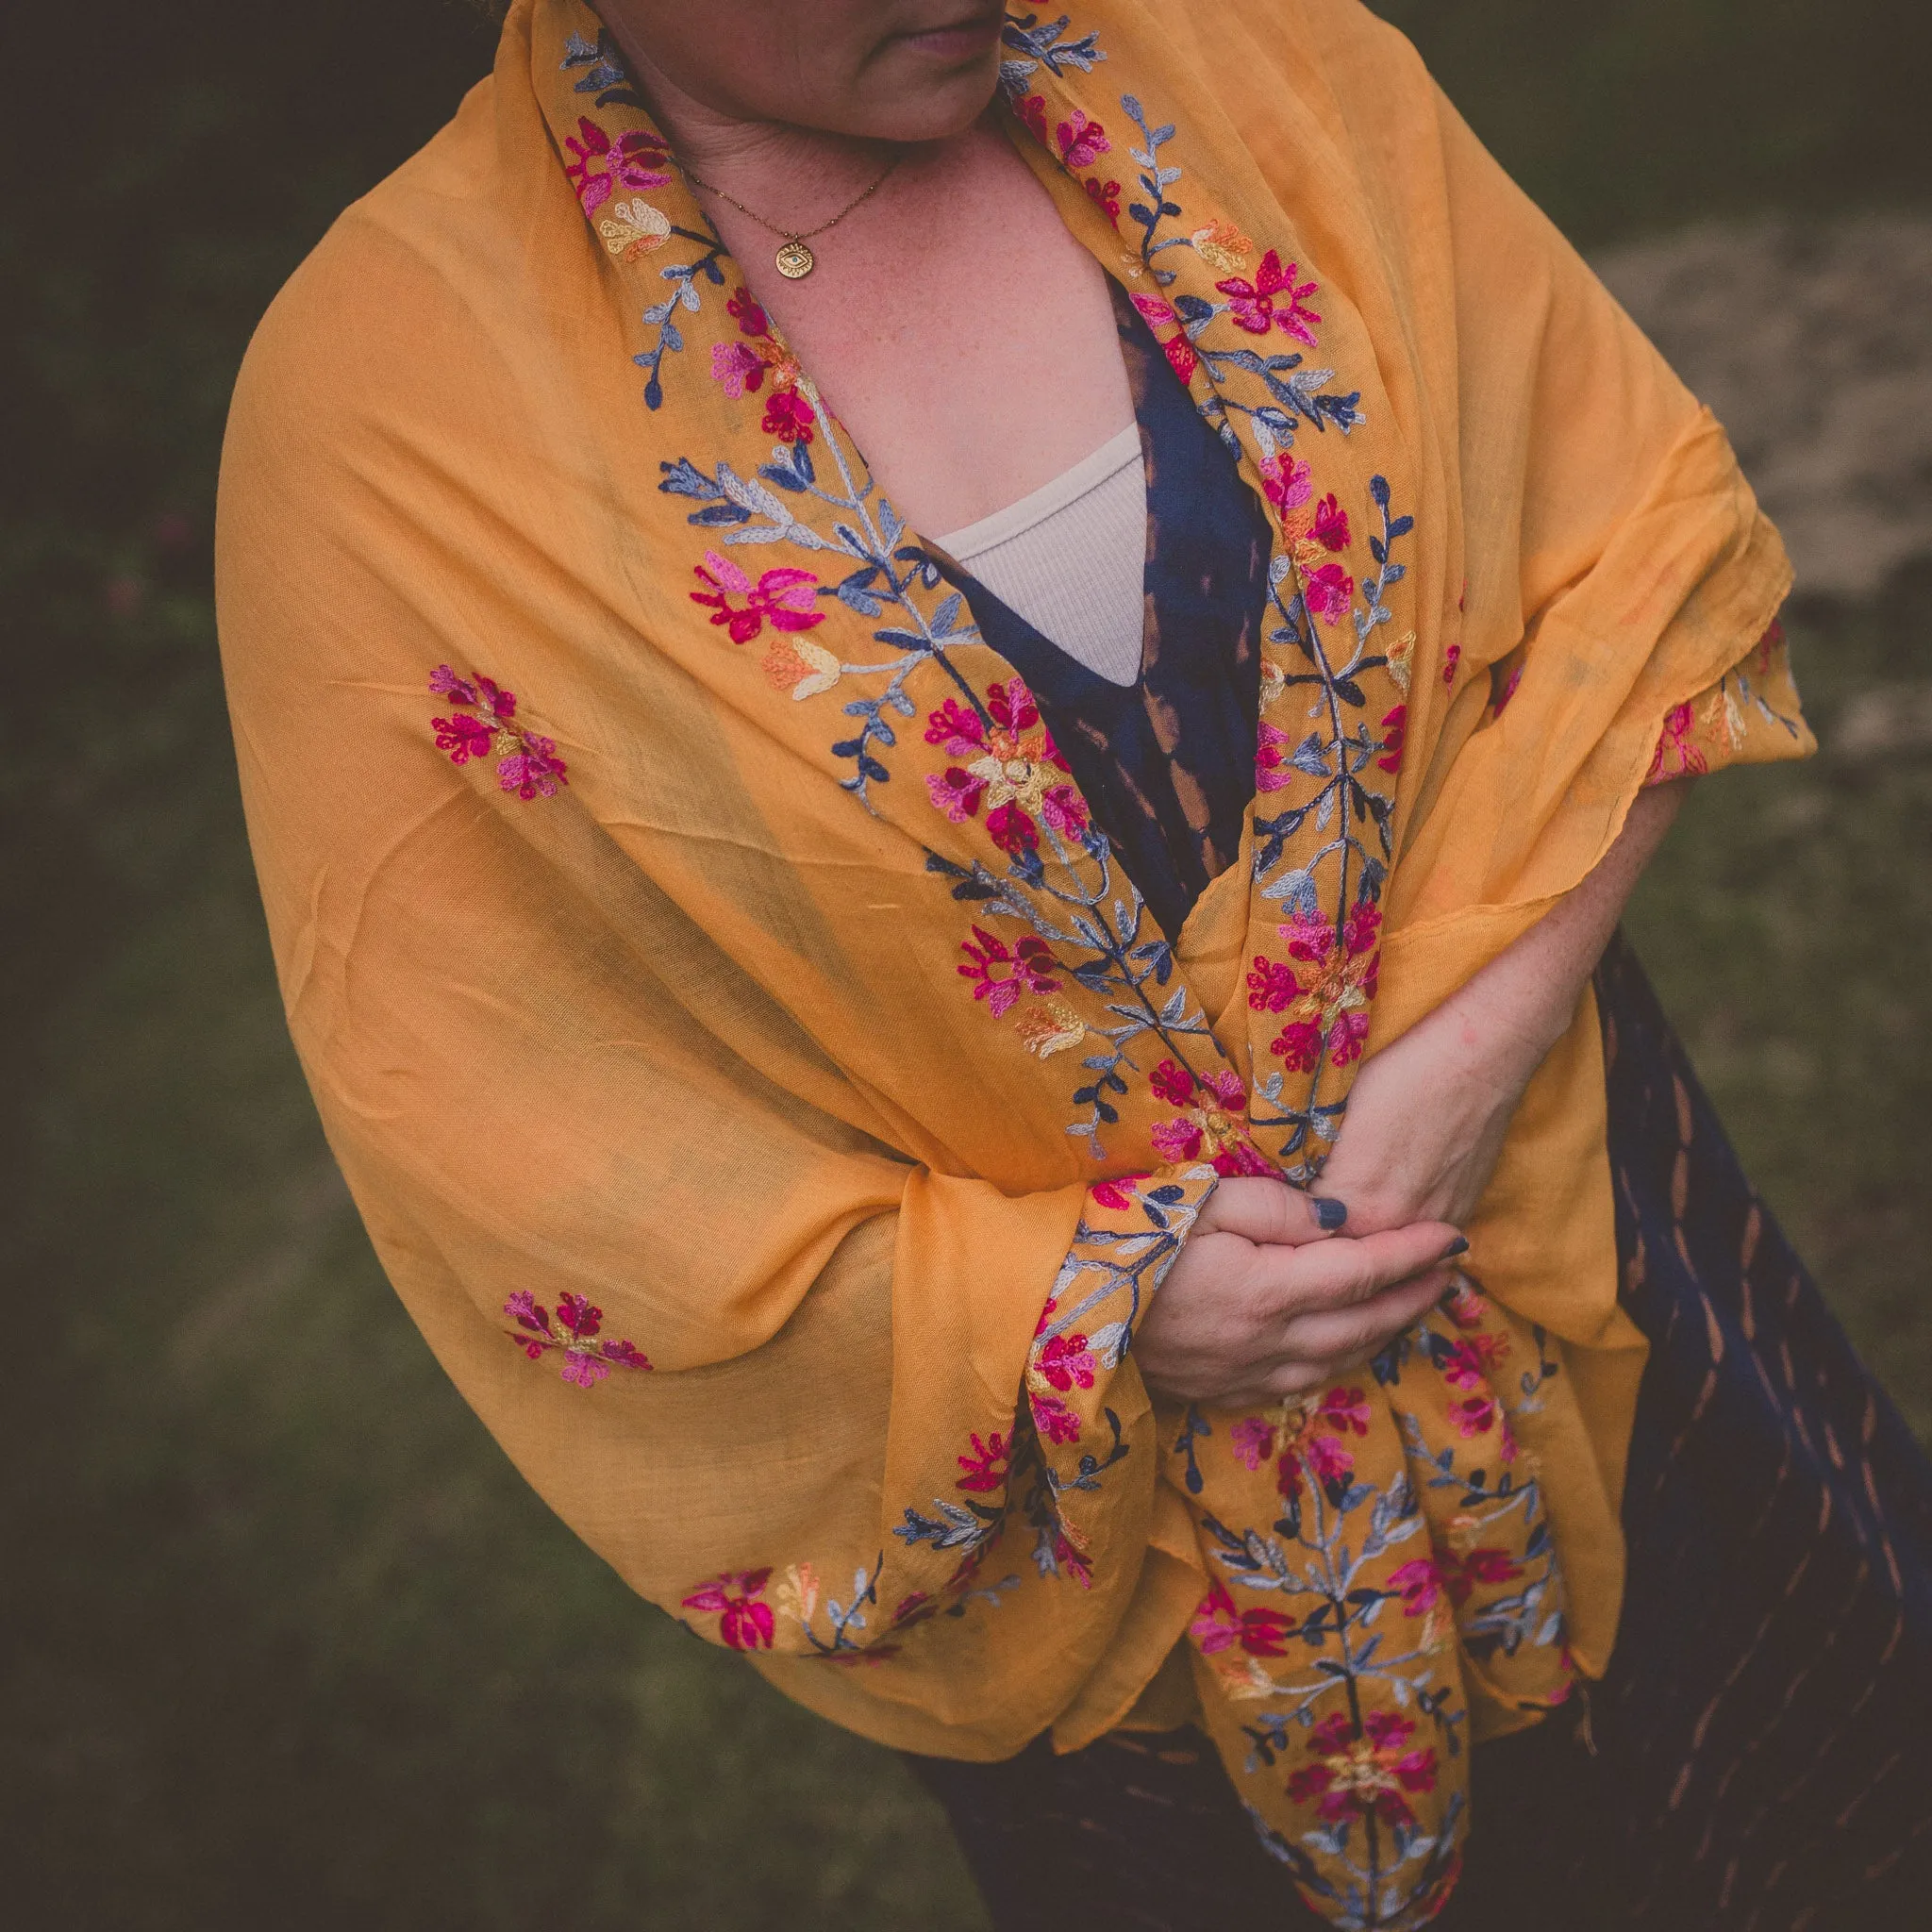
(283, 1641)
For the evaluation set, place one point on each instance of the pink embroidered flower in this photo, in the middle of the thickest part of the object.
(463, 738)
(527, 762)
(1272, 985)
(1372, 1772)
(1465, 1364)
(1421, 1584)
(1299, 1044)
(1117, 1194)
(1054, 1420)
(1272, 300)
(1330, 526)
(1065, 811)
(789, 416)
(1065, 1362)
(586, 1361)
(1272, 751)
(1252, 1440)
(1327, 1011)
(1394, 732)
(1676, 756)
(1081, 141)
(1008, 759)
(1217, 1626)
(1287, 482)
(1473, 1415)
(1000, 974)
(1464, 1306)
(986, 1467)
(1483, 1567)
(737, 366)
(783, 596)
(1180, 353)
(1346, 1039)
(748, 312)
(1032, 110)
(632, 161)
(956, 791)
(1106, 196)
(1214, 1121)
(1450, 660)
(1328, 590)
(534, 770)
(1359, 929)
(744, 1622)
(1011, 827)
(1344, 1411)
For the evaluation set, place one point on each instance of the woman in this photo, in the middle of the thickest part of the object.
(837, 979)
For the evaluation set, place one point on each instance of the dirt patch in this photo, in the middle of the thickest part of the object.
(1812, 341)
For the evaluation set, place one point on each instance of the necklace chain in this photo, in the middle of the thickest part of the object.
(795, 260)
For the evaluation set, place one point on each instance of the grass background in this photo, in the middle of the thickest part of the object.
(283, 1640)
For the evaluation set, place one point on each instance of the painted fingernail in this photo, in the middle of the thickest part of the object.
(1458, 1246)
(1329, 1213)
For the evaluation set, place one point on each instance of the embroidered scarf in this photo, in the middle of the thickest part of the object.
(767, 1092)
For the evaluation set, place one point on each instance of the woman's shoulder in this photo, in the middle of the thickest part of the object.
(413, 283)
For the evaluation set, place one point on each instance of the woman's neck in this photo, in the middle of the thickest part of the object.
(788, 173)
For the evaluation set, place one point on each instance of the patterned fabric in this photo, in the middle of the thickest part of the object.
(1166, 765)
(761, 1081)
(1765, 1704)
(1752, 1763)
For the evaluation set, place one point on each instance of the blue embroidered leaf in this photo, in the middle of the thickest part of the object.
(684, 478)
(721, 513)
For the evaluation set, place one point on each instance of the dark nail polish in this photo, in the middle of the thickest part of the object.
(1329, 1214)
(1458, 1246)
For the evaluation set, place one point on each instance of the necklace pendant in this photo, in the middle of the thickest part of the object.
(795, 262)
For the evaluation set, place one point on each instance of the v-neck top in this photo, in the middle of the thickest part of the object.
(1068, 556)
(1167, 762)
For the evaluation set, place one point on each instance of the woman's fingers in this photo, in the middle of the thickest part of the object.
(1352, 1334)
(1317, 1350)
(1315, 1278)
(1271, 1213)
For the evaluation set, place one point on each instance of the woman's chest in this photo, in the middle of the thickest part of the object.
(965, 339)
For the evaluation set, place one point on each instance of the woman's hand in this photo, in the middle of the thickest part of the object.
(1264, 1302)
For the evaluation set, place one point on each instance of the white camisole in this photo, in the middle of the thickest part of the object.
(1070, 556)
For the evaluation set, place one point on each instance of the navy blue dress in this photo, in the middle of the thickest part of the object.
(1759, 1757)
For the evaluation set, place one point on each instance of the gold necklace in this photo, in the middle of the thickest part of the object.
(795, 260)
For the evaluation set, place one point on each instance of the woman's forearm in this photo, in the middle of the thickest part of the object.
(1517, 1008)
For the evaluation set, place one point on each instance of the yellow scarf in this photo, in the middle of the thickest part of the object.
(763, 1085)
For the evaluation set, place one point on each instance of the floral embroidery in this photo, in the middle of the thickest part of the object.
(586, 1361)
(1329, 1006)
(527, 762)
(634, 229)
(1217, 1626)
(1330, 592)
(1272, 300)
(634, 159)
(1081, 141)
(1307, 1442)
(1211, 1124)
(986, 1466)
(1015, 768)
(783, 595)
(1178, 350)
(1221, 246)
(1372, 1772)
(736, 1599)
(999, 973)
